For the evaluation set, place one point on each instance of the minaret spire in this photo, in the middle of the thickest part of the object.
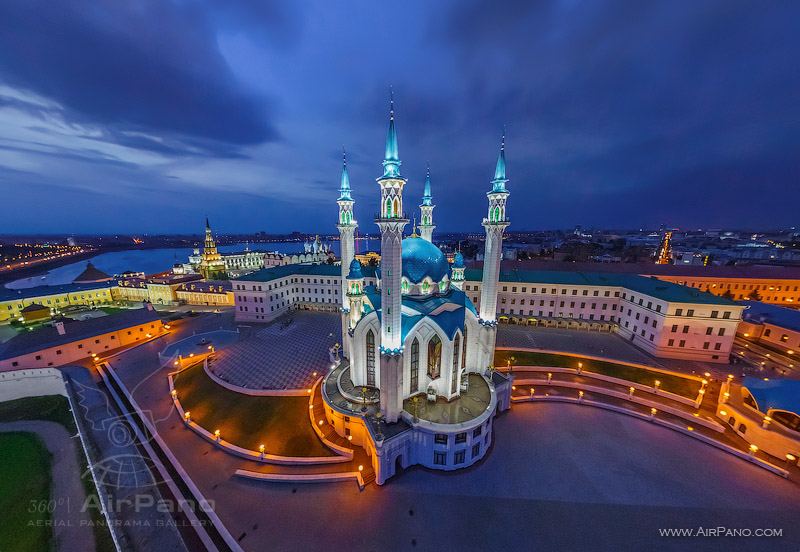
(426, 226)
(391, 159)
(344, 188)
(499, 181)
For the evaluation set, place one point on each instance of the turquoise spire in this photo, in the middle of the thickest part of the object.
(344, 189)
(426, 196)
(499, 181)
(391, 160)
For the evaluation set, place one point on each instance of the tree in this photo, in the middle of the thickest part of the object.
(754, 295)
(728, 294)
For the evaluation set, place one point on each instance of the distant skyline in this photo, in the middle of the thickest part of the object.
(123, 118)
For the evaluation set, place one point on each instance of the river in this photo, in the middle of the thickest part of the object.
(151, 261)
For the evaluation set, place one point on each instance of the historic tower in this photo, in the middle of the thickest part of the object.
(391, 221)
(212, 266)
(495, 224)
(347, 227)
(426, 226)
(457, 270)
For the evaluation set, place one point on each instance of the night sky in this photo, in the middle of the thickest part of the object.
(145, 116)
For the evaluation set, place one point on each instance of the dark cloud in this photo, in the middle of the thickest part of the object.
(620, 113)
(148, 66)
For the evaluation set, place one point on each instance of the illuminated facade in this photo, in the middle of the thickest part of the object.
(212, 267)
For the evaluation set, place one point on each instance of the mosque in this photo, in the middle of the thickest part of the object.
(415, 385)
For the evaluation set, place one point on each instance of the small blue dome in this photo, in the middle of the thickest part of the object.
(458, 260)
(423, 259)
(355, 271)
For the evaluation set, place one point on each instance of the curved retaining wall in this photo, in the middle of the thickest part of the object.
(710, 424)
(252, 392)
(304, 478)
(252, 454)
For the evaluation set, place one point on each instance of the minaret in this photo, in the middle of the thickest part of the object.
(495, 224)
(457, 270)
(355, 293)
(347, 227)
(391, 221)
(426, 226)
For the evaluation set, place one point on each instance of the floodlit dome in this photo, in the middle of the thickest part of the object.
(422, 259)
(355, 271)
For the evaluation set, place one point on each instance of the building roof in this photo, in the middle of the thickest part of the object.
(782, 394)
(7, 294)
(33, 307)
(446, 311)
(48, 336)
(422, 259)
(762, 313)
(316, 269)
(774, 272)
(91, 274)
(206, 286)
(653, 287)
(356, 272)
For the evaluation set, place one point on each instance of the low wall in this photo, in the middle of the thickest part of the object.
(610, 379)
(304, 478)
(36, 382)
(710, 424)
(252, 392)
(698, 379)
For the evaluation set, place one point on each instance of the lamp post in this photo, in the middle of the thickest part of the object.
(187, 417)
(580, 367)
(630, 392)
(364, 399)
(753, 450)
(217, 435)
(653, 413)
(261, 449)
(580, 396)
(656, 386)
(549, 377)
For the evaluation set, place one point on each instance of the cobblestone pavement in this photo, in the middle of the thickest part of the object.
(283, 355)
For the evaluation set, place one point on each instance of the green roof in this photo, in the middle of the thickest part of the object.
(653, 287)
(277, 272)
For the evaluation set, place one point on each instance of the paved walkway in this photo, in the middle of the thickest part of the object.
(72, 525)
(127, 475)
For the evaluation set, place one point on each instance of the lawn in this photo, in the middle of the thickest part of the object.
(55, 408)
(280, 423)
(685, 387)
(25, 485)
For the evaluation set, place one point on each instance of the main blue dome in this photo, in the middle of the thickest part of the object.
(423, 259)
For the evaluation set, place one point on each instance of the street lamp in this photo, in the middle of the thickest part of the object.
(261, 450)
(653, 412)
(656, 385)
(580, 367)
(216, 435)
(549, 377)
(630, 392)
(753, 450)
(187, 416)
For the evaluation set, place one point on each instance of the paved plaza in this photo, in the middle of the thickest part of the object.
(559, 476)
(282, 355)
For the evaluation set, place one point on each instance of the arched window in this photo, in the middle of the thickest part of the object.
(425, 286)
(370, 358)
(388, 208)
(434, 357)
(742, 429)
(456, 349)
(396, 207)
(414, 366)
(404, 286)
(464, 351)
